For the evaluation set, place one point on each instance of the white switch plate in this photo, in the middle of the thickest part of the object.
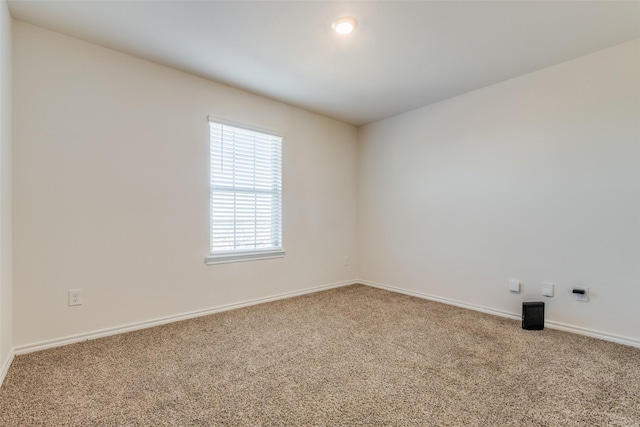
(514, 285)
(547, 289)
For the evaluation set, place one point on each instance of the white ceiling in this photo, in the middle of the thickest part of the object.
(403, 55)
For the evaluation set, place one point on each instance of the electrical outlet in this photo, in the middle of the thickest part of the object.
(584, 296)
(346, 261)
(75, 296)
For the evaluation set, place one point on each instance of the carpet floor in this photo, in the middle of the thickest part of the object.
(352, 356)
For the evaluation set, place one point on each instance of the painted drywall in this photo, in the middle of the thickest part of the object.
(536, 178)
(111, 191)
(6, 316)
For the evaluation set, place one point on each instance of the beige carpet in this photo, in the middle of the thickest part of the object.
(351, 356)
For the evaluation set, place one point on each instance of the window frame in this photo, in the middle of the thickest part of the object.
(240, 255)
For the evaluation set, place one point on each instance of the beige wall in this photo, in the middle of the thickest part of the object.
(536, 178)
(111, 191)
(6, 316)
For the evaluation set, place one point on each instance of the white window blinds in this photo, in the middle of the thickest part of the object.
(246, 192)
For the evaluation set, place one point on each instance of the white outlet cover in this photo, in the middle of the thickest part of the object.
(582, 297)
(514, 285)
(547, 289)
(75, 297)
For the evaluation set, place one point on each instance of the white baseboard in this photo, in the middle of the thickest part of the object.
(42, 345)
(548, 323)
(5, 367)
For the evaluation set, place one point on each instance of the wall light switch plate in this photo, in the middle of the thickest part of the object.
(514, 285)
(547, 289)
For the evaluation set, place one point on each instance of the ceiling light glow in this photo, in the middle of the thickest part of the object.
(344, 25)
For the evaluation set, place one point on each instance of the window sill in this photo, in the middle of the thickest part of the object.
(243, 256)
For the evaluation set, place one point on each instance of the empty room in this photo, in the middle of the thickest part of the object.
(277, 213)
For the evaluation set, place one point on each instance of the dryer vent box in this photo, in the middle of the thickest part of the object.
(533, 315)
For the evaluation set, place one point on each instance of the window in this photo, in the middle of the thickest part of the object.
(245, 194)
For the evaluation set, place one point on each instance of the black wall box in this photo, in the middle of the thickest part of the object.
(533, 315)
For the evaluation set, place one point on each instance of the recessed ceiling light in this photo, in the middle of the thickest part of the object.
(344, 25)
